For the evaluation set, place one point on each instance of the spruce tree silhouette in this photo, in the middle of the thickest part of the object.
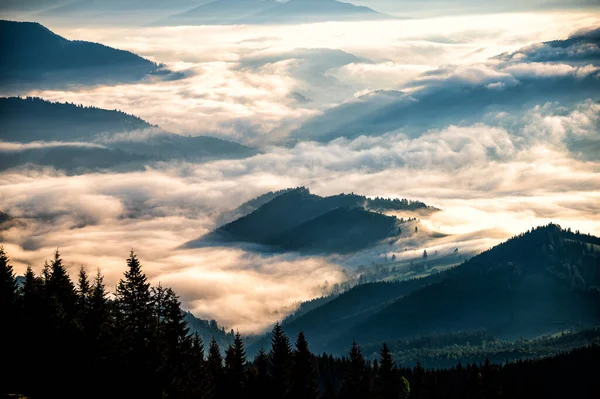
(304, 378)
(280, 362)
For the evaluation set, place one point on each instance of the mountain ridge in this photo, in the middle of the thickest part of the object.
(32, 54)
(350, 222)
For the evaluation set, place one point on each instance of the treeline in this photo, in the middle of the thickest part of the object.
(28, 104)
(64, 340)
(445, 350)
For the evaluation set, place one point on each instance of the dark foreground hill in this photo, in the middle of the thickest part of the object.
(141, 334)
(32, 54)
(541, 282)
(298, 220)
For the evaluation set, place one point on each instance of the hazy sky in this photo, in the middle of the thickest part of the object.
(494, 174)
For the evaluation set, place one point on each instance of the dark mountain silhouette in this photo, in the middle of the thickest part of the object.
(32, 54)
(299, 220)
(344, 229)
(219, 12)
(250, 206)
(34, 119)
(166, 146)
(306, 11)
(540, 282)
(78, 139)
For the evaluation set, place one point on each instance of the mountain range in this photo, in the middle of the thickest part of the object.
(297, 220)
(538, 283)
(77, 139)
(223, 12)
(449, 96)
(31, 54)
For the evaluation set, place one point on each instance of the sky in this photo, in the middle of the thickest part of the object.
(321, 102)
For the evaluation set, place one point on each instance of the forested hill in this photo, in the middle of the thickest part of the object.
(540, 282)
(298, 220)
(31, 53)
(34, 119)
(137, 345)
(79, 139)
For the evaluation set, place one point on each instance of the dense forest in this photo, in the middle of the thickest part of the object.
(67, 340)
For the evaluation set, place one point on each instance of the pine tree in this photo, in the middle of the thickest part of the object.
(10, 328)
(197, 368)
(259, 382)
(419, 384)
(356, 381)
(304, 378)
(174, 343)
(63, 330)
(214, 375)
(61, 290)
(236, 368)
(102, 344)
(136, 328)
(386, 382)
(8, 287)
(83, 297)
(34, 322)
(280, 362)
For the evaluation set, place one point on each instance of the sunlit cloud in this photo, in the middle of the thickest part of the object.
(493, 175)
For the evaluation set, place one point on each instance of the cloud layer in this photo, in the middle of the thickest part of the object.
(493, 173)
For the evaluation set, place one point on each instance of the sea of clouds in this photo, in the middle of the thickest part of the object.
(321, 102)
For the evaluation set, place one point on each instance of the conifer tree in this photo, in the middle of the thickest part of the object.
(100, 334)
(280, 362)
(135, 327)
(175, 346)
(214, 375)
(33, 321)
(304, 379)
(133, 300)
(236, 368)
(418, 382)
(8, 287)
(386, 381)
(83, 286)
(84, 292)
(61, 290)
(356, 382)
(197, 368)
(8, 315)
(260, 381)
